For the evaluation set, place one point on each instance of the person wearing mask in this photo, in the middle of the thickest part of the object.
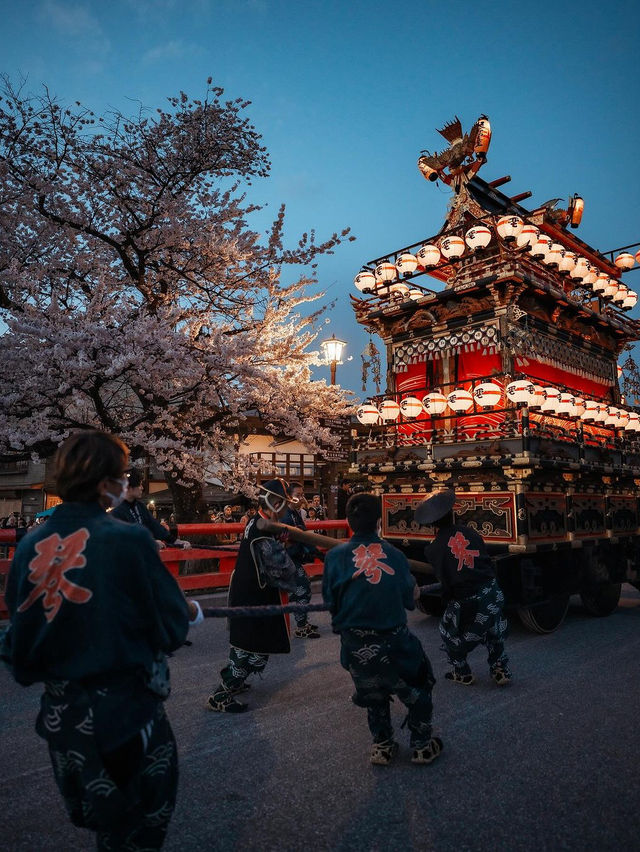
(93, 613)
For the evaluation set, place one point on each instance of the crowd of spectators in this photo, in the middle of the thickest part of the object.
(13, 520)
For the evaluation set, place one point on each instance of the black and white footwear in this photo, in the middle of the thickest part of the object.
(456, 677)
(307, 631)
(429, 752)
(501, 675)
(383, 753)
(223, 701)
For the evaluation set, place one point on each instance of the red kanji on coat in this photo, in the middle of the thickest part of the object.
(369, 560)
(458, 545)
(47, 572)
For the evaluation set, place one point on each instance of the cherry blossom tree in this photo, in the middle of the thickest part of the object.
(136, 298)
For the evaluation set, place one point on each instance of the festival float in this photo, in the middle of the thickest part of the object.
(503, 333)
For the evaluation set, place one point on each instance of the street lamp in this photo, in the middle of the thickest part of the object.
(332, 351)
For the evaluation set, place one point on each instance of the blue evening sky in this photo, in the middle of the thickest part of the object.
(346, 94)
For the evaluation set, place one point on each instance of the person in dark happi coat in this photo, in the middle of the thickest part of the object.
(474, 600)
(133, 511)
(300, 553)
(93, 612)
(263, 576)
(368, 587)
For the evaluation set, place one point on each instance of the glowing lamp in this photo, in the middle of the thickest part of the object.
(601, 413)
(522, 390)
(590, 410)
(624, 260)
(427, 172)
(483, 137)
(434, 403)
(385, 272)
(566, 404)
(581, 268)
(601, 283)
(541, 248)
(365, 281)
(399, 290)
(567, 262)
(576, 209)
(459, 400)
(406, 263)
(620, 294)
(618, 370)
(478, 237)
(487, 394)
(623, 418)
(553, 255)
(428, 255)
(411, 406)
(509, 227)
(368, 414)
(592, 275)
(452, 247)
(528, 236)
(638, 256)
(389, 409)
(630, 300)
(612, 417)
(416, 294)
(538, 397)
(579, 407)
(633, 424)
(550, 400)
(611, 288)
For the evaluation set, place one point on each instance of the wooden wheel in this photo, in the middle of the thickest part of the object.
(545, 617)
(601, 600)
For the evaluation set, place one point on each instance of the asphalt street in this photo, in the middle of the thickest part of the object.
(549, 763)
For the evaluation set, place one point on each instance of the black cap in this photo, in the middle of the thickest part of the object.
(279, 487)
(435, 507)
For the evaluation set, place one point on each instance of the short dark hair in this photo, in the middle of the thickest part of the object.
(363, 512)
(135, 478)
(84, 460)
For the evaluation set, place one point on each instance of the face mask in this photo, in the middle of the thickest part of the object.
(116, 499)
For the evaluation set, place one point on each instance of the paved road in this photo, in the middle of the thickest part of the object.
(550, 763)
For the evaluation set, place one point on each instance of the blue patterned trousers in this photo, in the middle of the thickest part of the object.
(474, 621)
(241, 664)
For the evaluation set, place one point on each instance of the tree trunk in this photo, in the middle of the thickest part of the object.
(188, 501)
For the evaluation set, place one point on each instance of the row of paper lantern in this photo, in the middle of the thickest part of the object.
(548, 400)
(477, 237)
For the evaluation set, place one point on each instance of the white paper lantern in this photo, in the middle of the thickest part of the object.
(638, 256)
(554, 254)
(487, 394)
(620, 294)
(411, 406)
(434, 403)
(399, 290)
(389, 409)
(428, 255)
(630, 300)
(385, 272)
(478, 237)
(601, 412)
(633, 424)
(601, 283)
(528, 236)
(624, 260)
(368, 414)
(579, 407)
(452, 247)
(538, 397)
(612, 417)
(416, 294)
(580, 269)
(623, 418)
(592, 275)
(406, 263)
(566, 404)
(509, 227)
(541, 248)
(590, 410)
(567, 262)
(522, 390)
(460, 400)
(610, 289)
(551, 400)
(365, 281)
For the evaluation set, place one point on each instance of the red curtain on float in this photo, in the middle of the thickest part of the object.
(471, 367)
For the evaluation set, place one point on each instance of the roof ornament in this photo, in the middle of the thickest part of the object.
(458, 163)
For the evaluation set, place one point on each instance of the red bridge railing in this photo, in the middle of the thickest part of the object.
(221, 559)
